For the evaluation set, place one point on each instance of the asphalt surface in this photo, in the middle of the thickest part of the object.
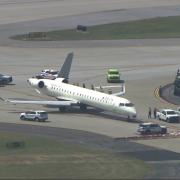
(144, 64)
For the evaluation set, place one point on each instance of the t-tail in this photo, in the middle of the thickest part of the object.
(65, 69)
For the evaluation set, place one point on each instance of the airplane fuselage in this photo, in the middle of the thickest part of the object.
(60, 90)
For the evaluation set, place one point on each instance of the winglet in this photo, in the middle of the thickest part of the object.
(65, 69)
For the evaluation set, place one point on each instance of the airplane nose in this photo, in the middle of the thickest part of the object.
(133, 112)
(32, 81)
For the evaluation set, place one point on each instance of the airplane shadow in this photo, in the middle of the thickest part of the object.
(96, 112)
(88, 112)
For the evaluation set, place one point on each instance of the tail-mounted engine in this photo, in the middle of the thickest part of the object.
(41, 84)
(62, 80)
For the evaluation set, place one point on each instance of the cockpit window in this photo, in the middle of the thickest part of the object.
(129, 104)
(121, 104)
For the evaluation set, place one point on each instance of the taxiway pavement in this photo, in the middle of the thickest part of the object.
(145, 64)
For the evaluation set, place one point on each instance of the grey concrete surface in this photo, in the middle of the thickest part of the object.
(135, 70)
(145, 64)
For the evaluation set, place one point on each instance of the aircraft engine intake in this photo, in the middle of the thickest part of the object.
(41, 84)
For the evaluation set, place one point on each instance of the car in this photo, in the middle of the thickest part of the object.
(5, 79)
(177, 84)
(45, 76)
(151, 128)
(50, 71)
(34, 115)
(113, 76)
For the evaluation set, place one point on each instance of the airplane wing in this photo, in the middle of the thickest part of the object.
(53, 104)
(122, 92)
(65, 69)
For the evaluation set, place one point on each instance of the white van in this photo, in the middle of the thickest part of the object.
(34, 115)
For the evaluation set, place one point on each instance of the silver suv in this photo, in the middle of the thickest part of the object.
(151, 128)
(34, 115)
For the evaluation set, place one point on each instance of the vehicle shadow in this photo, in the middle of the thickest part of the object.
(4, 85)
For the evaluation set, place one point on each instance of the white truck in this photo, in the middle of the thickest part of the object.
(168, 115)
(178, 111)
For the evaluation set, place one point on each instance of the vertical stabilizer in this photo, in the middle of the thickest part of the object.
(65, 69)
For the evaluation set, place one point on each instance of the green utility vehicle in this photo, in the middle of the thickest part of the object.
(113, 76)
(177, 84)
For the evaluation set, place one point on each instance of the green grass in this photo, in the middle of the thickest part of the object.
(165, 27)
(47, 158)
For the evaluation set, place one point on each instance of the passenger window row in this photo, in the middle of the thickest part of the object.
(126, 104)
(105, 100)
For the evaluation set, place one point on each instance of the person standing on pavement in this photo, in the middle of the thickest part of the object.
(155, 112)
(149, 113)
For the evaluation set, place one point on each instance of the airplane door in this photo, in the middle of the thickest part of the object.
(114, 105)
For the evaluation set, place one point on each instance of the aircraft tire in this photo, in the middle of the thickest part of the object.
(22, 118)
(83, 107)
(36, 119)
(62, 109)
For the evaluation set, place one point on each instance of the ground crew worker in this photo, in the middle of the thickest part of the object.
(155, 112)
(149, 113)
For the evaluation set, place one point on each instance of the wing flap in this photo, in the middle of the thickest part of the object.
(40, 102)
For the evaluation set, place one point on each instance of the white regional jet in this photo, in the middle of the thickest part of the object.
(71, 95)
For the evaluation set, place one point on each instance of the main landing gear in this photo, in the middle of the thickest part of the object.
(83, 107)
(62, 109)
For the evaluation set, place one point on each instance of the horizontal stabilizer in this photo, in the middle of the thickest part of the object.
(121, 92)
(122, 86)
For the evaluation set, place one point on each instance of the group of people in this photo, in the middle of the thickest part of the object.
(151, 114)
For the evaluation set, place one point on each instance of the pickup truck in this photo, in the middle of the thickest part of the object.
(178, 111)
(151, 128)
(168, 115)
